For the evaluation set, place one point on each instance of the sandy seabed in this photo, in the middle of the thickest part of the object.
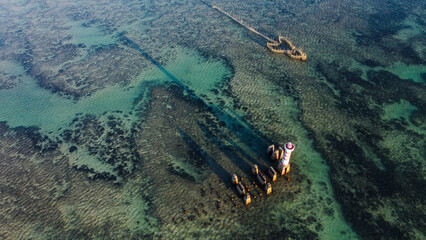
(126, 120)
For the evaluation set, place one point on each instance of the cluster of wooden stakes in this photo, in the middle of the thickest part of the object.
(260, 177)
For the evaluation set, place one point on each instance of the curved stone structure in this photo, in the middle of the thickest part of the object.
(272, 45)
(292, 52)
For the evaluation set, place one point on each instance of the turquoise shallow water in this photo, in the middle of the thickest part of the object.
(27, 104)
(143, 110)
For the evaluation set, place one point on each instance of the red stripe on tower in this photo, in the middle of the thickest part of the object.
(288, 148)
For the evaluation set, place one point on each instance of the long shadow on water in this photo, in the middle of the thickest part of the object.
(224, 175)
(244, 131)
(233, 153)
(228, 151)
(255, 139)
(213, 164)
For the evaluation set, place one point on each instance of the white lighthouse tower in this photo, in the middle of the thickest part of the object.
(284, 166)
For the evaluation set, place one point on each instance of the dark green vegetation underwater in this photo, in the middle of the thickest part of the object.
(126, 119)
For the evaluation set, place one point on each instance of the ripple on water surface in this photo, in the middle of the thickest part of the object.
(29, 105)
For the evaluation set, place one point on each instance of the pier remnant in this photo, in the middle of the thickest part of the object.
(272, 173)
(283, 167)
(271, 44)
(255, 170)
(247, 198)
(268, 188)
(275, 155)
(234, 179)
(270, 150)
(261, 178)
(240, 189)
(281, 152)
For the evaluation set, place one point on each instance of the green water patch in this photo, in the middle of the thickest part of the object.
(9, 74)
(403, 111)
(27, 104)
(402, 70)
(21, 7)
(91, 35)
(11, 68)
(88, 37)
(412, 29)
(331, 218)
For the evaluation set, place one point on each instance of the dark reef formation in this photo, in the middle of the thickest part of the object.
(107, 139)
(40, 191)
(132, 175)
(365, 190)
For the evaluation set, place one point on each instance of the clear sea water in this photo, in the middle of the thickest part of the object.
(126, 119)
